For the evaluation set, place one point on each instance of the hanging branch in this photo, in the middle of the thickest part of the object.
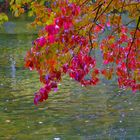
(90, 38)
(133, 40)
(95, 19)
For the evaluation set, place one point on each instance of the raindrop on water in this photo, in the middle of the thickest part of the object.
(57, 139)
(8, 121)
(5, 108)
(123, 114)
(40, 122)
(120, 121)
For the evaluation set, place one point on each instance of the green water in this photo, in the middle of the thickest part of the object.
(72, 113)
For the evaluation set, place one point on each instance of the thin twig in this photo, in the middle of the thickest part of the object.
(104, 10)
(119, 26)
(84, 2)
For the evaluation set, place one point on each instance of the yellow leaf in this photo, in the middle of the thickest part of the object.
(3, 18)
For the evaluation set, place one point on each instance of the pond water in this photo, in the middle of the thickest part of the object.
(72, 113)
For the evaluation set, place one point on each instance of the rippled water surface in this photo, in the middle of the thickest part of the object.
(73, 113)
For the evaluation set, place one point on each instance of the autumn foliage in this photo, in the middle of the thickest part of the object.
(71, 36)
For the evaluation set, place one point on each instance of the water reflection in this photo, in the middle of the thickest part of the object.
(74, 112)
(9, 27)
(13, 67)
